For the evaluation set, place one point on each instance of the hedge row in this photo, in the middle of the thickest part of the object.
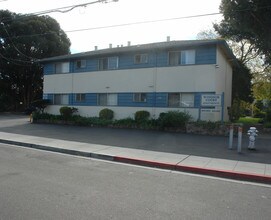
(171, 119)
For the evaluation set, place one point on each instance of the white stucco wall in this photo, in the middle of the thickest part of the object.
(192, 78)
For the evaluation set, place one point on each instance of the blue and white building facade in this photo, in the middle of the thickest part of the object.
(193, 76)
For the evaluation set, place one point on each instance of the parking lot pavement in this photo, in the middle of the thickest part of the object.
(155, 141)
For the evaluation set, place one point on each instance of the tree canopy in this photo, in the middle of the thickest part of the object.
(23, 40)
(247, 20)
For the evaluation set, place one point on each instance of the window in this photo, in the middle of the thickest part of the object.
(108, 63)
(174, 99)
(187, 100)
(61, 99)
(188, 57)
(140, 97)
(80, 97)
(183, 57)
(174, 58)
(107, 99)
(181, 100)
(62, 67)
(80, 64)
(141, 58)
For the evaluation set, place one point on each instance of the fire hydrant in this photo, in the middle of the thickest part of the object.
(252, 132)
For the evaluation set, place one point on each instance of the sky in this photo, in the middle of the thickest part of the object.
(97, 15)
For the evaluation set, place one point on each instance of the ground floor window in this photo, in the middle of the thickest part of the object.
(80, 97)
(140, 97)
(107, 99)
(183, 100)
(61, 99)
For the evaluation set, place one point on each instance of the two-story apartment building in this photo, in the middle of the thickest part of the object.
(193, 76)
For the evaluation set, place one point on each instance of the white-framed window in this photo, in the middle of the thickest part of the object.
(174, 58)
(184, 57)
(187, 100)
(188, 57)
(61, 99)
(63, 67)
(108, 63)
(80, 97)
(105, 99)
(140, 97)
(184, 100)
(80, 64)
(141, 58)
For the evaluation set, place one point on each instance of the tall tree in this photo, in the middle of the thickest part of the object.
(249, 20)
(23, 40)
(242, 77)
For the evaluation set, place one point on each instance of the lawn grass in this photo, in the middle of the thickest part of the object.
(248, 120)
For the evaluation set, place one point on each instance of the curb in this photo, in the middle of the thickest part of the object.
(198, 170)
(168, 166)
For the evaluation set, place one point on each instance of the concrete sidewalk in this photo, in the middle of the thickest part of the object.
(236, 169)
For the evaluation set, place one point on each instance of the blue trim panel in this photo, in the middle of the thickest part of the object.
(204, 55)
(91, 100)
(159, 100)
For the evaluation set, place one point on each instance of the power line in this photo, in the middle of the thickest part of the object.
(144, 22)
(71, 7)
(121, 25)
(64, 9)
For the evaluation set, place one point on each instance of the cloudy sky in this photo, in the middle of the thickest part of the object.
(97, 18)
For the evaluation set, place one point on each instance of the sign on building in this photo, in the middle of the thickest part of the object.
(211, 100)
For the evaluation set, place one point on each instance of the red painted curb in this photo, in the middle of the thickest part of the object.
(198, 170)
(225, 174)
(145, 162)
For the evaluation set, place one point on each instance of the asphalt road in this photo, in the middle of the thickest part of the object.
(42, 185)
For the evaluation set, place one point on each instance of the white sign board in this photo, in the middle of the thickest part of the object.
(211, 114)
(211, 100)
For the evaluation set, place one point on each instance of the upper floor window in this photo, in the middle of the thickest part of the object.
(174, 58)
(61, 99)
(140, 97)
(62, 67)
(183, 100)
(108, 63)
(105, 99)
(81, 64)
(188, 57)
(141, 58)
(183, 57)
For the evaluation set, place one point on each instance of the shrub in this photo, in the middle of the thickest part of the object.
(126, 122)
(208, 125)
(106, 114)
(41, 104)
(175, 119)
(141, 116)
(66, 112)
(267, 125)
(268, 115)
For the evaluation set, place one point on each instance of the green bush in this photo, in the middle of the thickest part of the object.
(268, 115)
(41, 104)
(208, 125)
(106, 114)
(126, 122)
(141, 116)
(267, 125)
(66, 112)
(174, 119)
